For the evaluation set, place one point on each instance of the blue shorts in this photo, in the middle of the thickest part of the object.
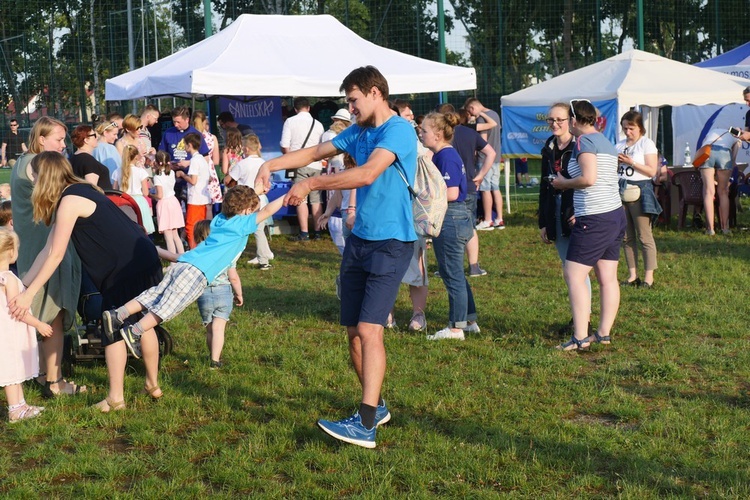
(216, 302)
(371, 273)
(471, 205)
(720, 159)
(491, 181)
(597, 237)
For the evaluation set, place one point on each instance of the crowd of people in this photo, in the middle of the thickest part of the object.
(71, 233)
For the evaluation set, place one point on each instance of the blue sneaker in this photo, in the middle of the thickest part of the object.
(132, 341)
(350, 430)
(382, 415)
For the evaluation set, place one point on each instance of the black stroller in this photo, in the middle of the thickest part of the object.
(83, 343)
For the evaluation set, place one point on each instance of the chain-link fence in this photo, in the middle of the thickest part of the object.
(55, 55)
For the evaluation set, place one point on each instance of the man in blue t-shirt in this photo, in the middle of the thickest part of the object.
(378, 252)
(172, 142)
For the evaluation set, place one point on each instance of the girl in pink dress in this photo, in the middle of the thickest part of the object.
(168, 210)
(20, 354)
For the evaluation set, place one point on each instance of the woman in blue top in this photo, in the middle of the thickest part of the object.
(599, 226)
(436, 133)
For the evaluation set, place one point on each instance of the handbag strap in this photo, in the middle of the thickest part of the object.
(312, 126)
(722, 135)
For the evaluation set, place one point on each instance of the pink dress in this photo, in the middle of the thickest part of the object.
(168, 209)
(20, 360)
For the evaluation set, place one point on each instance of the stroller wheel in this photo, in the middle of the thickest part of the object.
(165, 341)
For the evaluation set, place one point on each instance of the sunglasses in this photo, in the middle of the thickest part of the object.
(93, 134)
(559, 121)
(572, 105)
(13, 124)
(112, 124)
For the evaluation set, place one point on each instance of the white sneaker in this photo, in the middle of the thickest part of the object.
(255, 261)
(485, 226)
(446, 333)
(472, 328)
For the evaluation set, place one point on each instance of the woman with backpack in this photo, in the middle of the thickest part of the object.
(436, 133)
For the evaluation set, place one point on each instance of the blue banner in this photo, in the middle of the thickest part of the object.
(525, 130)
(263, 114)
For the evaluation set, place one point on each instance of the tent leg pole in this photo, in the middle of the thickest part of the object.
(507, 186)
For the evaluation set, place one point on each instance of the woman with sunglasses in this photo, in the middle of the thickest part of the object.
(556, 207)
(105, 151)
(638, 163)
(598, 228)
(83, 162)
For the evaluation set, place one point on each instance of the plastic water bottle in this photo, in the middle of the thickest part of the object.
(688, 157)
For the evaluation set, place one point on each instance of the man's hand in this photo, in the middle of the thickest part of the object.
(297, 194)
(263, 180)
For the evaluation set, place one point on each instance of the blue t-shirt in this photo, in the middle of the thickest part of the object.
(604, 195)
(468, 143)
(107, 155)
(450, 165)
(384, 207)
(226, 240)
(173, 144)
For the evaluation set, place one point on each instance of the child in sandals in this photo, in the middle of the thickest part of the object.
(215, 305)
(20, 355)
(194, 270)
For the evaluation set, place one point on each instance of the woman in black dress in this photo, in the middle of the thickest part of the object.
(84, 164)
(116, 253)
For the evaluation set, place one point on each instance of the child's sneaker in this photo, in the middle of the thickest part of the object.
(110, 324)
(350, 430)
(264, 267)
(446, 333)
(216, 365)
(485, 226)
(132, 340)
(499, 224)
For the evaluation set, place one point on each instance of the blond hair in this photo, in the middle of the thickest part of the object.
(43, 127)
(53, 174)
(8, 242)
(129, 154)
(200, 122)
(252, 143)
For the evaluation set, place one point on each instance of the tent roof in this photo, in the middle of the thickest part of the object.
(282, 55)
(635, 78)
(739, 56)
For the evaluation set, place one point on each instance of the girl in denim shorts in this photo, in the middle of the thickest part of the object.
(217, 301)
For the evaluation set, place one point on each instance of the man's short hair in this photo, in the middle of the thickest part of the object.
(744, 92)
(225, 117)
(238, 199)
(150, 108)
(182, 111)
(471, 100)
(13, 120)
(446, 108)
(301, 103)
(193, 139)
(365, 78)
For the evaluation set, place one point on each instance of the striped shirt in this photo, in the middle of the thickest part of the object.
(604, 195)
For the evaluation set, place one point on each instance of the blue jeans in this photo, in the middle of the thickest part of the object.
(449, 250)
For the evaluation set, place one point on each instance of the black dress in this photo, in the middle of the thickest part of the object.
(84, 163)
(115, 251)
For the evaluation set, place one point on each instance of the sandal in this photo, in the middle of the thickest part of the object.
(575, 345)
(23, 411)
(155, 392)
(601, 339)
(418, 322)
(635, 283)
(74, 388)
(106, 405)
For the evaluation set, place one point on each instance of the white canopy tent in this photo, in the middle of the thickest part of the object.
(282, 56)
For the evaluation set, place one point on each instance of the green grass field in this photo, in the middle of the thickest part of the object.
(662, 412)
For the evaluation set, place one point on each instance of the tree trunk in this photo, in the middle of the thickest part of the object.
(568, 35)
(94, 59)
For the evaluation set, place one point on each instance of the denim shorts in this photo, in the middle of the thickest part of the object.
(371, 273)
(471, 205)
(720, 159)
(216, 302)
(491, 181)
(597, 237)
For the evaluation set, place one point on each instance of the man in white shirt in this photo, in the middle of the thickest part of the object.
(301, 131)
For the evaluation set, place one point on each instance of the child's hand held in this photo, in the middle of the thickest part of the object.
(44, 330)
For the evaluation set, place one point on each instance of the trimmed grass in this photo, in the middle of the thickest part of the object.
(662, 412)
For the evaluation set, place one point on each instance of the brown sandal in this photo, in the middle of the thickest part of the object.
(107, 405)
(64, 387)
(155, 392)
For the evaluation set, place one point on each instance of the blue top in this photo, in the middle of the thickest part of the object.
(384, 207)
(468, 143)
(107, 155)
(173, 144)
(226, 240)
(604, 195)
(450, 165)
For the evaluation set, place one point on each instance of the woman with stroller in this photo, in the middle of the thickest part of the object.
(56, 303)
(115, 252)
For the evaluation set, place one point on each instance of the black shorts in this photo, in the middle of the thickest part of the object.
(597, 237)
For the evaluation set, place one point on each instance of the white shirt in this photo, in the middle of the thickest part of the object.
(245, 171)
(295, 130)
(167, 184)
(198, 193)
(638, 151)
(137, 176)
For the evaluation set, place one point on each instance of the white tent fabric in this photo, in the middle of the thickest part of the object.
(282, 55)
